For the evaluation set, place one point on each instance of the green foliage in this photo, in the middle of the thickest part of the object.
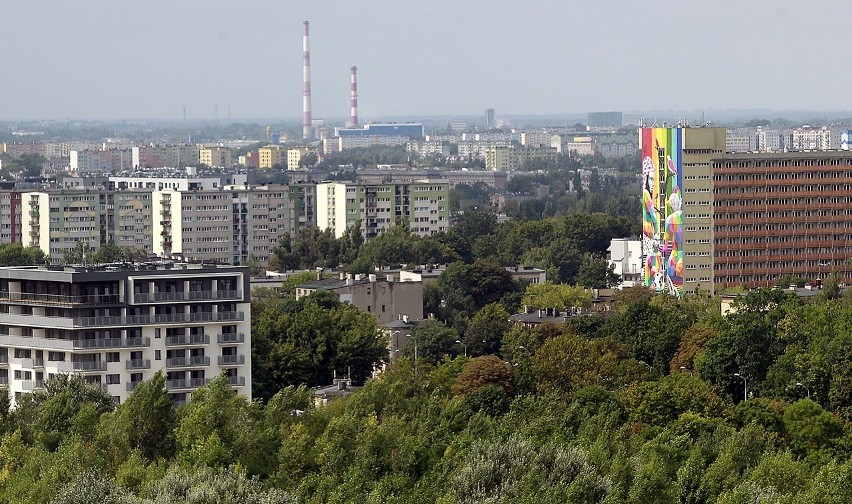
(486, 330)
(547, 295)
(307, 341)
(482, 371)
(14, 254)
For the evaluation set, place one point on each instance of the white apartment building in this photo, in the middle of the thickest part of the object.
(117, 325)
(625, 255)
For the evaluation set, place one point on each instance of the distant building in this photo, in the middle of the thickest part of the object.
(489, 118)
(527, 274)
(271, 155)
(409, 130)
(424, 204)
(506, 159)
(215, 157)
(165, 156)
(384, 298)
(604, 119)
(294, 156)
(535, 139)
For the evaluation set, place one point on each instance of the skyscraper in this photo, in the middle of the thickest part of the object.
(489, 118)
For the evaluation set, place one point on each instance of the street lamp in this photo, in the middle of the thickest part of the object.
(460, 342)
(745, 385)
(684, 368)
(525, 349)
(808, 389)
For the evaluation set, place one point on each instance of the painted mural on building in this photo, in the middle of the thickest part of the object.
(662, 214)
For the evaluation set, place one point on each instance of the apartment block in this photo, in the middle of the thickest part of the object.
(378, 207)
(165, 156)
(216, 157)
(118, 325)
(677, 207)
(784, 213)
(295, 155)
(271, 155)
(508, 159)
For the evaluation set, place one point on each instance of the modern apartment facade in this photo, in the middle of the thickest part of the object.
(118, 325)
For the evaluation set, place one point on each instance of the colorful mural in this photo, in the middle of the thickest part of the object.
(662, 214)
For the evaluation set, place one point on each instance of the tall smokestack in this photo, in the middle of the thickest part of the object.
(306, 83)
(353, 97)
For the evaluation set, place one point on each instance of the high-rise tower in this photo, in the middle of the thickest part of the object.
(306, 86)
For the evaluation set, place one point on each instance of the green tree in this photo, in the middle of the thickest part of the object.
(14, 254)
(597, 273)
(431, 340)
(485, 332)
(146, 420)
(482, 371)
(562, 296)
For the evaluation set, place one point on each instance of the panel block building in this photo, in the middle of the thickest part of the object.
(424, 205)
(677, 207)
(784, 213)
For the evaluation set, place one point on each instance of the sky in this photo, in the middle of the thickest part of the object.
(104, 59)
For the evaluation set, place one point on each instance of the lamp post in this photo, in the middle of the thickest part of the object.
(460, 342)
(807, 389)
(745, 385)
(684, 368)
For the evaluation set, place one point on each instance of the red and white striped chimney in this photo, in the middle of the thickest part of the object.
(353, 97)
(306, 86)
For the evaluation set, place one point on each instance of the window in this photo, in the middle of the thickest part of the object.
(113, 357)
(55, 356)
(157, 332)
(21, 353)
(113, 379)
(157, 355)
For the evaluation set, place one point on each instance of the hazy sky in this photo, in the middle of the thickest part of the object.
(106, 59)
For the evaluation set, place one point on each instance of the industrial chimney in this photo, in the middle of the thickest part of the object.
(306, 90)
(353, 98)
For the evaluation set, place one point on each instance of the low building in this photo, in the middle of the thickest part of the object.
(625, 255)
(527, 274)
(398, 333)
(117, 325)
(385, 299)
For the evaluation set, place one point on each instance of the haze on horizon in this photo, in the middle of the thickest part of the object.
(113, 60)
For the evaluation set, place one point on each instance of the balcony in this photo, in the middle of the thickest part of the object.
(237, 381)
(131, 386)
(38, 362)
(33, 298)
(4, 380)
(39, 384)
(89, 366)
(232, 360)
(112, 343)
(231, 338)
(188, 361)
(4, 360)
(205, 295)
(138, 364)
(186, 384)
(192, 339)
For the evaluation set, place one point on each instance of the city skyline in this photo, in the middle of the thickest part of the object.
(102, 60)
